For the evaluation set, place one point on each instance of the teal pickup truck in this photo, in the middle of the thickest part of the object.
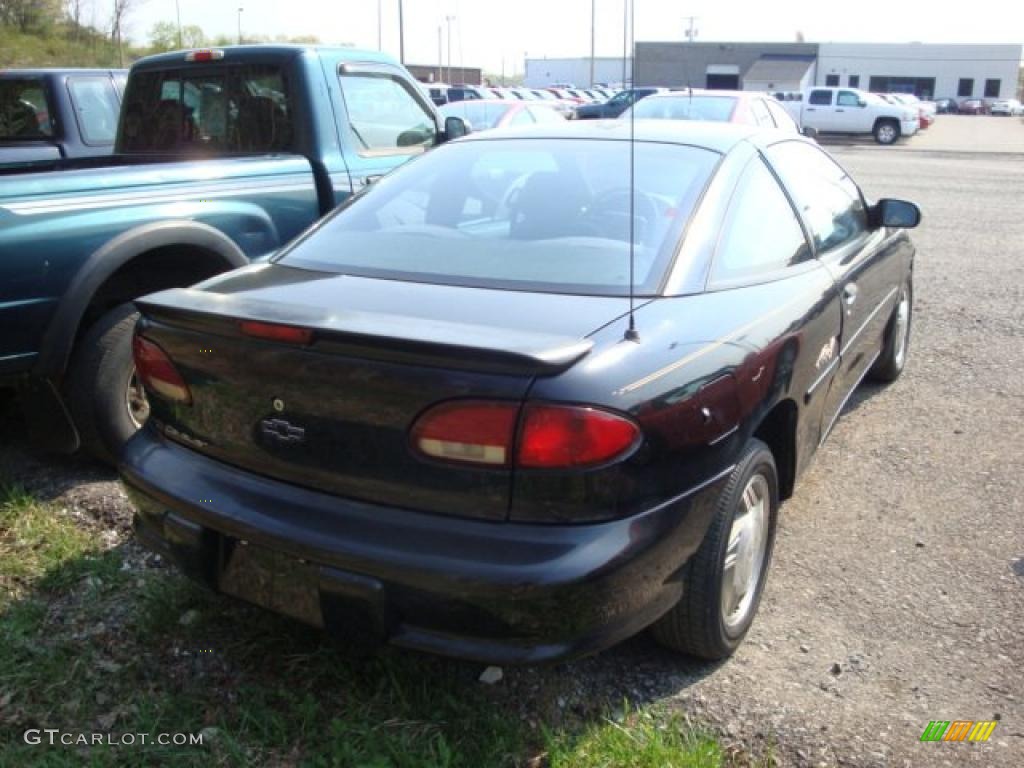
(221, 157)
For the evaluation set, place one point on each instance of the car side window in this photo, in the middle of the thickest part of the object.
(384, 116)
(96, 108)
(820, 98)
(761, 233)
(847, 99)
(827, 198)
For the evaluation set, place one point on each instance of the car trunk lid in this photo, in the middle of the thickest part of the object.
(335, 414)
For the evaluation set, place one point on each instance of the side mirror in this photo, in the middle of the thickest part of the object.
(896, 213)
(861, 103)
(810, 133)
(455, 128)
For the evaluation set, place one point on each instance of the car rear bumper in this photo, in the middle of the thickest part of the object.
(497, 592)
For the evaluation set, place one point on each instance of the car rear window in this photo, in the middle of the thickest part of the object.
(23, 110)
(714, 108)
(548, 215)
(220, 109)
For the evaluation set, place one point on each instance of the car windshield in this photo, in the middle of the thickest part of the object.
(23, 112)
(714, 108)
(481, 115)
(550, 215)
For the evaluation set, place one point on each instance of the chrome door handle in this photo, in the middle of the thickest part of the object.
(850, 291)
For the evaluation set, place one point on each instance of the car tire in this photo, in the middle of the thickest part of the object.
(886, 131)
(896, 342)
(700, 624)
(101, 379)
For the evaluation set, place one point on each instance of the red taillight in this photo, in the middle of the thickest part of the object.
(567, 436)
(549, 436)
(158, 373)
(289, 334)
(468, 431)
(206, 54)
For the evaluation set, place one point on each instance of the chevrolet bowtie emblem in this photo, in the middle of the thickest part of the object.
(280, 431)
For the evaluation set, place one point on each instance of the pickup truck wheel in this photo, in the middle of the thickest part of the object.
(106, 400)
(887, 131)
(896, 342)
(723, 582)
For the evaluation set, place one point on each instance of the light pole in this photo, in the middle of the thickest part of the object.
(593, 24)
(449, 20)
(240, 25)
(177, 13)
(440, 56)
(380, 32)
(401, 34)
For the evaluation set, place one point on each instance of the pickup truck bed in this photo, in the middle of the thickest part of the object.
(222, 156)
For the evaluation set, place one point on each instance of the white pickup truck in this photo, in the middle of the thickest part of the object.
(849, 110)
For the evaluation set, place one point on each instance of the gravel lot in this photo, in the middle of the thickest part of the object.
(897, 593)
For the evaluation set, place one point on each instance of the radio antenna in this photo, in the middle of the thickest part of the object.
(631, 332)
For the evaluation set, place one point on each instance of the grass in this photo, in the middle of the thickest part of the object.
(94, 640)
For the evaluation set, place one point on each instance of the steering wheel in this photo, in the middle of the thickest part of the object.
(608, 212)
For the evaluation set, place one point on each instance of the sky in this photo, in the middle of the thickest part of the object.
(487, 32)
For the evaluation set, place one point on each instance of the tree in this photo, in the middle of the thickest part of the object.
(163, 36)
(29, 16)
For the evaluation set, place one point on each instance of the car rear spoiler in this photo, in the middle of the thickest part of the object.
(376, 335)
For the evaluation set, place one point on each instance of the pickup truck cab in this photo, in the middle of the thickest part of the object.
(852, 111)
(52, 114)
(222, 156)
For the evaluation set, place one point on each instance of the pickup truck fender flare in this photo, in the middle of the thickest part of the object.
(59, 338)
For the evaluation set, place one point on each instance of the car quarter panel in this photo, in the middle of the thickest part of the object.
(736, 353)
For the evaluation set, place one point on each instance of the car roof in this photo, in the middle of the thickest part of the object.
(717, 137)
(685, 93)
(60, 71)
(492, 102)
(254, 51)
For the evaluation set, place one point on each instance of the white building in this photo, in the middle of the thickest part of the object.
(925, 69)
(543, 72)
(928, 70)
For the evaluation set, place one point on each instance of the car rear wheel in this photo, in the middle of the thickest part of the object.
(724, 580)
(886, 131)
(896, 343)
(106, 399)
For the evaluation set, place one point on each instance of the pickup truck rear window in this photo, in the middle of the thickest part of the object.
(23, 110)
(221, 110)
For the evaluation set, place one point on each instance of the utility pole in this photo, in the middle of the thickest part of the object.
(691, 33)
(593, 25)
(401, 34)
(177, 12)
(240, 25)
(380, 28)
(449, 20)
(625, 38)
(440, 57)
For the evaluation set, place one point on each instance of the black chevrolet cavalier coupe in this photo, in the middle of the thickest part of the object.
(447, 417)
